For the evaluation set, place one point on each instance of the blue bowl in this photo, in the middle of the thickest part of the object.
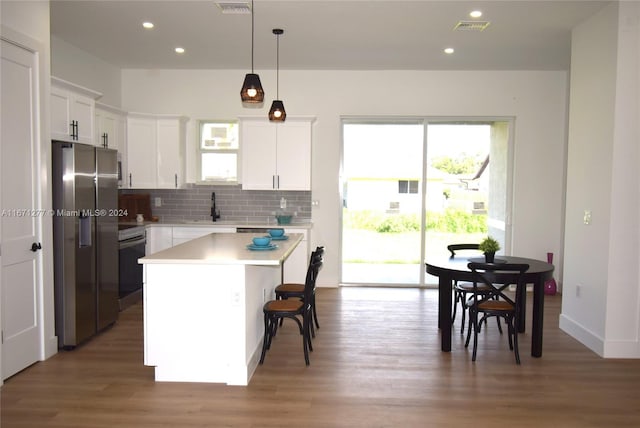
(283, 219)
(276, 233)
(261, 241)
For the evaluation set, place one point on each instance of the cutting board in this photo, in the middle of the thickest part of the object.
(134, 204)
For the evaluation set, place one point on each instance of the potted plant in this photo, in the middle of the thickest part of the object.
(489, 246)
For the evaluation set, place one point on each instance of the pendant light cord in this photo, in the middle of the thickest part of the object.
(278, 66)
(252, 36)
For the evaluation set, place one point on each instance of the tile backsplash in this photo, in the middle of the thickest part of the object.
(233, 203)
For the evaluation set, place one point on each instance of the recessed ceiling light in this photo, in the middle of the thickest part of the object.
(475, 14)
(179, 50)
(449, 50)
(147, 25)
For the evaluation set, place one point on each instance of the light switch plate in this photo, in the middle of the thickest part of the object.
(587, 217)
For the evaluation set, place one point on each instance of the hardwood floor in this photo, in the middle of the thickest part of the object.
(376, 363)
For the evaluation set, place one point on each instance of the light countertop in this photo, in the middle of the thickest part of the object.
(230, 223)
(225, 248)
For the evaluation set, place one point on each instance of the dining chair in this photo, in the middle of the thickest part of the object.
(298, 310)
(296, 290)
(462, 290)
(494, 303)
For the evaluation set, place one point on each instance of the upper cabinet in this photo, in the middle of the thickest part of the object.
(110, 127)
(155, 151)
(276, 155)
(72, 112)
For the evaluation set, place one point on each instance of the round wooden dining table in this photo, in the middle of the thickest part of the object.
(453, 269)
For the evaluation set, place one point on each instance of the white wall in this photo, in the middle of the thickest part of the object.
(537, 100)
(601, 281)
(77, 66)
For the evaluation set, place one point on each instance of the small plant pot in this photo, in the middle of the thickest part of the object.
(489, 257)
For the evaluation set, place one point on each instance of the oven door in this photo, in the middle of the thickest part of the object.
(130, 274)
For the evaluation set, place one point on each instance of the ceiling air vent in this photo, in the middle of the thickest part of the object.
(229, 7)
(471, 25)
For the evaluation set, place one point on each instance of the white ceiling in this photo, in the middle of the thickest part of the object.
(328, 34)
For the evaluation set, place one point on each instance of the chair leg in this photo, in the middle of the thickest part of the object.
(464, 312)
(273, 327)
(309, 341)
(515, 342)
(466, 342)
(266, 338)
(315, 313)
(306, 340)
(455, 306)
(281, 298)
(475, 335)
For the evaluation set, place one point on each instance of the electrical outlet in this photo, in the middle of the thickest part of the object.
(235, 298)
(587, 217)
(158, 201)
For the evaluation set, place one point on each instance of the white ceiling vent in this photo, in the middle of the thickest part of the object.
(234, 7)
(471, 25)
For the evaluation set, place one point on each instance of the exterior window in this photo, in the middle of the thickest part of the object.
(218, 151)
(407, 186)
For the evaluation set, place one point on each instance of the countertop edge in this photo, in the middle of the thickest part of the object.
(224, 224)
(166, 256)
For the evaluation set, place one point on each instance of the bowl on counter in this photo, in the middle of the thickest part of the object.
(261, 241)
(284, 218)
(276, 233)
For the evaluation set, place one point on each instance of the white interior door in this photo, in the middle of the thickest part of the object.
(20, 266)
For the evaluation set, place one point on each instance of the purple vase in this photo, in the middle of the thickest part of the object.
(550, 286)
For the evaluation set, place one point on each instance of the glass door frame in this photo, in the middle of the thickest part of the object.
(426, 121)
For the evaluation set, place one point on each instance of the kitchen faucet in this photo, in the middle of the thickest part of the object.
(215, 214)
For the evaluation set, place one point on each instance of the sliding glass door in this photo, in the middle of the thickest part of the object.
(409, 188)
(382, 202)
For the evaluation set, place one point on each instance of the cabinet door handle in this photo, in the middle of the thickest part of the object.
(278, 181)
(74, 130)
(130, 180)
(176, 180)
(105, 140)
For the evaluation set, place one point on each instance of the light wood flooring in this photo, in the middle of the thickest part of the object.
(376, 363)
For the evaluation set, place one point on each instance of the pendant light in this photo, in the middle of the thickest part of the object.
(252, 92)
(276, 112)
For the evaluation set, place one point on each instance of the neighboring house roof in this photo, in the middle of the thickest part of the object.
(483, 166)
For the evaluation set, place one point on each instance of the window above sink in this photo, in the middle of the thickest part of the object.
(218, 148)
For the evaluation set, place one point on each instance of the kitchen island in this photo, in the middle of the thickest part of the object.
(203, 301)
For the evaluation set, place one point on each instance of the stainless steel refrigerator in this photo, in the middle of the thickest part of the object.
(85, 231)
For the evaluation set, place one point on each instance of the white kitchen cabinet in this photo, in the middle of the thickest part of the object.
(72, 112)
(276, 155)
(183, 234)
(110, 126)
(295, 268)
(158, 238)
(155, 151)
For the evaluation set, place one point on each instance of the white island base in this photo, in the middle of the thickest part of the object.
(203, 318)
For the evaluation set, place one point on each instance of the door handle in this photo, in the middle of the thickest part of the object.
(36, 246)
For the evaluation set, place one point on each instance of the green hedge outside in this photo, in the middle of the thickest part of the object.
(449, 221)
